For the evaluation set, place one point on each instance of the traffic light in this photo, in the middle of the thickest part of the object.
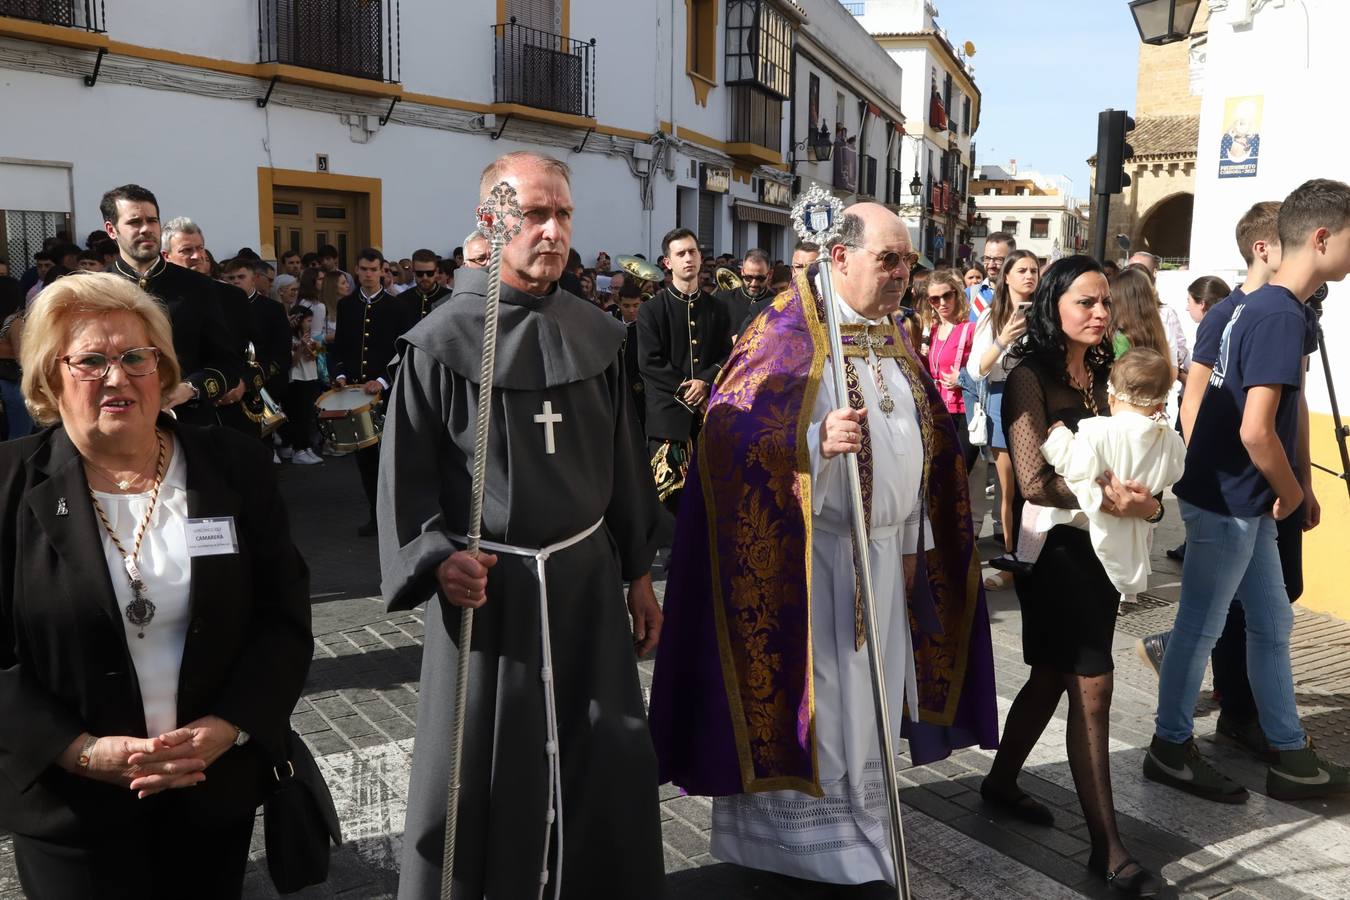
(1112, 151)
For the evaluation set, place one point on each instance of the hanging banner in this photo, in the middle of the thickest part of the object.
(1240, 147)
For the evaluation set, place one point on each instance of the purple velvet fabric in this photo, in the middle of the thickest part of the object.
(731, 698)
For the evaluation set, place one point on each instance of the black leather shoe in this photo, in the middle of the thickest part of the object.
(1139, 883)
(370, 529)
(1018, 804)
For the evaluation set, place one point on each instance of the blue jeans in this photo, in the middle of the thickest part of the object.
(1228, 556)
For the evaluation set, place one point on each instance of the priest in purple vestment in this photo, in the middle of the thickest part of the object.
(762, 695)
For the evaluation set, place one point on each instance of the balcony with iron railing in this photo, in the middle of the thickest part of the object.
(540, 70)
(355, 39)
(85, 15)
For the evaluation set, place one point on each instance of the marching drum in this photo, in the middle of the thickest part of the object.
(349, 418)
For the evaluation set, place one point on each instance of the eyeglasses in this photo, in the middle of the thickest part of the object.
(995, 260)
(754, 278)
(947, 296)
(424, 273)
(137, 362)
(890, 259)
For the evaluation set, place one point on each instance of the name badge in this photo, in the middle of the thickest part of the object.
(211, 537)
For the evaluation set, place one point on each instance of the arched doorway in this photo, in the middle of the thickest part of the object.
(1166, 230)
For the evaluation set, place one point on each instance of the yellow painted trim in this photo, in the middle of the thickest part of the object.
(756, 153)
(372, 188)
(741, 175)
(1324, 547)
(703, 81)
(666, 127)
(702, 87)
(345, 84)
(447, 102)
(543, 115)
(712, 143)
(52, 34)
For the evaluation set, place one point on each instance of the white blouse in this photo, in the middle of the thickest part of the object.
(166, 570)
(983, 340)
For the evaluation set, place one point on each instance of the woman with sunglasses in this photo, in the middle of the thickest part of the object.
(1000, 327)
(950, 334)
(154, 615)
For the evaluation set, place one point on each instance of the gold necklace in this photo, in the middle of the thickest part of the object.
(1089, 393)
(140, 611)
(125, 484)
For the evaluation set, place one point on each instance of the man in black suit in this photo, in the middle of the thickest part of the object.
(630, 301)
(184, 245)
(212, 366)
(684, 336)
(267, 330)
(426, 292)
(369, 321)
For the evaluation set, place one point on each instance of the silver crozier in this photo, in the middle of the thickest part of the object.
(499, 221)
(818, 217)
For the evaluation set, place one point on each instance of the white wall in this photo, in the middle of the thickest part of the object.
(1288, 60)
(209, 171)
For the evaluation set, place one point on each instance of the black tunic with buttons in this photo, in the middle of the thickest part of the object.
(680, 336)
(363, 346)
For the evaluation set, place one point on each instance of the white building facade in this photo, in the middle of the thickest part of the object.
(1040, 212)
(281, 124)
(943, 102)
(1264, 65)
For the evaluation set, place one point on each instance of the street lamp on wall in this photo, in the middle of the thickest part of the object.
(1164, 21)
(916, 187)
(915, 191)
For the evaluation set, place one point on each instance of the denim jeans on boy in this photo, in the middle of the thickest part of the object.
(1213, 573)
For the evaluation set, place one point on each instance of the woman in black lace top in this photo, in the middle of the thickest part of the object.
(1068, 603)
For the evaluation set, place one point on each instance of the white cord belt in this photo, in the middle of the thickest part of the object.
(550, 701)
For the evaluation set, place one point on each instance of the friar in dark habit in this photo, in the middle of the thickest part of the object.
(569, 515)
(212, 366)
(684, 336)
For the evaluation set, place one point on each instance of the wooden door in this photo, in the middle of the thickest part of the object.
(305, 220)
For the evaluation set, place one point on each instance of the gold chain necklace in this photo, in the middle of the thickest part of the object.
(1089, 393)
(124, 484)
(140, 611)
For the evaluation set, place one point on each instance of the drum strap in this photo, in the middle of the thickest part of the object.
(554, 813)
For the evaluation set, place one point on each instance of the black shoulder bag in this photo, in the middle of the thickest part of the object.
(299, 820)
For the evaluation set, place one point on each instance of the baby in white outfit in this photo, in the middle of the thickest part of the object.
(1136, 444)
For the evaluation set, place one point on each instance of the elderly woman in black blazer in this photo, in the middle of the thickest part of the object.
(154, 615)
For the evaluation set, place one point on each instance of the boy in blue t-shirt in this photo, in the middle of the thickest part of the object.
(1240, 479)
(1258, 241)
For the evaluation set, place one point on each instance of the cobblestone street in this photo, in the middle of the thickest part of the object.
(359, 711)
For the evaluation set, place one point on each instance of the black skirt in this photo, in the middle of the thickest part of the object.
(1068, 606)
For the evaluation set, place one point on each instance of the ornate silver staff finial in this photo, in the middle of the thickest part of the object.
(818, 216)
(499, 215)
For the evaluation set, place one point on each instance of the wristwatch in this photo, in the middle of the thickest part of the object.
(1155, 518)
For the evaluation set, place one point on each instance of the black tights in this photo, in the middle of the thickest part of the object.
(1088, 745)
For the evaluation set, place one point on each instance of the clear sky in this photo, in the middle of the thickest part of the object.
(1045, 68)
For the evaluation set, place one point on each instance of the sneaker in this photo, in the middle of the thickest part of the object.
(1246, 733)
(989, 492)
(1150, 650)
(1181, 766)
(285, 452)
(276, 460)
(306, 458)
(1302, 775)
(1178, 552)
